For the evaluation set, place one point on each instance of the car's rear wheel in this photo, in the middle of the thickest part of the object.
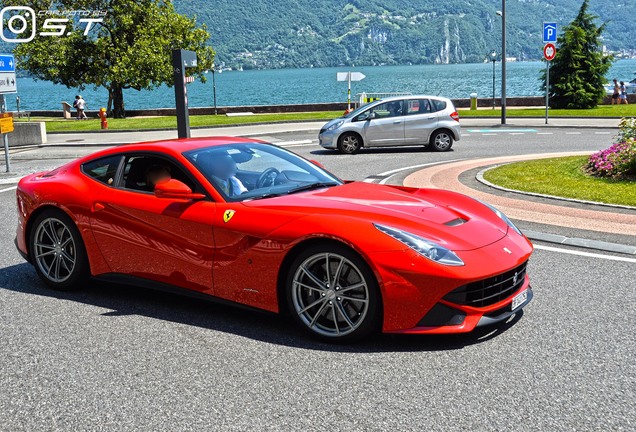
(333, 294)
(57, 251)
(441, 141)
(349, 143)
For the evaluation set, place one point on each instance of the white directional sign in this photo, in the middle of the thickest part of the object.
(350, 76)
(7, 74)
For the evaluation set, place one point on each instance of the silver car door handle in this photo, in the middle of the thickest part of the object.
(431, 117)
(397, 122)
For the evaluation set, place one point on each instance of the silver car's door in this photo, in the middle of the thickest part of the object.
(386, 125)
(419, 122)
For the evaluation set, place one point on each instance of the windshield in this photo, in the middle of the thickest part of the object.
(253, 171)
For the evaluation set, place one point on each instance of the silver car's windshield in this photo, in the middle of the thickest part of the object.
(358, 110)
(253, 171)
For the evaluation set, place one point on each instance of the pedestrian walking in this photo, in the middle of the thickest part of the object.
(80, 105)
(616, 94)
(623, 96)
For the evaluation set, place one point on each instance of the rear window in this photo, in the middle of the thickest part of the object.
(103, 170)
(438, 105)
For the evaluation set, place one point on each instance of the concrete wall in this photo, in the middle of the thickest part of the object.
(27, 133)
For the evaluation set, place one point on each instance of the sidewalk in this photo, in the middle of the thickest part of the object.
(253, 130)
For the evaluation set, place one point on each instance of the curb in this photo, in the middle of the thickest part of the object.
(582, 243)
(480, 178)
(191, 127)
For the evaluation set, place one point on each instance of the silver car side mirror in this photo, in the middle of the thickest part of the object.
(371, 116)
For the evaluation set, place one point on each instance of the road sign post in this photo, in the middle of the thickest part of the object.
(349, 76)
(181, 60)
(8, 84)
(549, 52)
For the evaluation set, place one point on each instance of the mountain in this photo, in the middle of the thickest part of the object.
(288, 33)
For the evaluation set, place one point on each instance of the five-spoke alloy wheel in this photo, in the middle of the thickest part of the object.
(349, 143)
(57, 251)
(333, 294)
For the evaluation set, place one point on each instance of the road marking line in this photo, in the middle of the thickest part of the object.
(465, 135)
(545, 133)
(389, 174)
(8, 189)
(517, 133)
(500, 130)
(573, 133)
(585, 254)
(602, 133)
(293, 143)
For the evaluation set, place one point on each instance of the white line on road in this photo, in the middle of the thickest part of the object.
(390, 174)
(602, 133)
(8, 189)
(585, 254)
(545, 133)
(293, 143)
(573, 133)
(517, 133)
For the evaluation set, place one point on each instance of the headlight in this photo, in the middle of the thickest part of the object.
(334, 126)
(424, 247)
(503, 217)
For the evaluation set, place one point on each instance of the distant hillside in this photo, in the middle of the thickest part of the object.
(287, 33)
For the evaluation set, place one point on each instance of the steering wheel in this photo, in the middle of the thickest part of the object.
(267, 177)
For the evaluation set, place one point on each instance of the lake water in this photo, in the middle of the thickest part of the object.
(294, 86)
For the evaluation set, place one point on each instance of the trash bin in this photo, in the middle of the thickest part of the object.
(473, 101)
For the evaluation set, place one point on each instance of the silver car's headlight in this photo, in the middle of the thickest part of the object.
(334, 126)
(503, 217)
(426, 248)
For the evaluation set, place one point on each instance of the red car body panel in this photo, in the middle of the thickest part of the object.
(189, 244)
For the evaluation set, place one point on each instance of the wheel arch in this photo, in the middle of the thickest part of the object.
(354, 132)
(443, 129)
(291, 255)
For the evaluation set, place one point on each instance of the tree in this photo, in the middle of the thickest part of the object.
(131, 48)
(577, 73)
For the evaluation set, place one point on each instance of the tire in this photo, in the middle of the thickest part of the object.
(349, 143)
(57, 251)
(441, 141)
(315, 303)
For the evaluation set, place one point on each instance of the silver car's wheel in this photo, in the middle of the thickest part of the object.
(441, 141)
(349, 143)
(333, 294)
(57, 251)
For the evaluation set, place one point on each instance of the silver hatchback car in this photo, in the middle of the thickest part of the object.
(397, 121)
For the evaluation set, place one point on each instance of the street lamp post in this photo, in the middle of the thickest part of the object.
(502, 14)
(214, 87)
(493, 58)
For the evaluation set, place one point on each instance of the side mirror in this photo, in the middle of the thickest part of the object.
(318, 164)
(176, 189)
(371, 116)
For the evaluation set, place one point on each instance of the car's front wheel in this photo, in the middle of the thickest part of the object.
(349, 143)
(57, 251)
(333, 294)
(441, 141)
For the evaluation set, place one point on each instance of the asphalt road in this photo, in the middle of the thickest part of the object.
(123, 358)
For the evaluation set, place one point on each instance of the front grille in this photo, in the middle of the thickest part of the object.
(489, 291)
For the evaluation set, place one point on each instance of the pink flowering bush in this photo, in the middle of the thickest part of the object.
(618, 161)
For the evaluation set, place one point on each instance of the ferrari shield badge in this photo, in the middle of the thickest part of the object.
(228, 215)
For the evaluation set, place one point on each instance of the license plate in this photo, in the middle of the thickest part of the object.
(519, 299)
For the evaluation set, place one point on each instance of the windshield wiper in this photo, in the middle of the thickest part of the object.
(318, 185)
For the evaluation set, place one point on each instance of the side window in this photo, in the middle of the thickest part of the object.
(388, 109)
(142, 172)
(418, 106)
(438, 105)
(103, 170)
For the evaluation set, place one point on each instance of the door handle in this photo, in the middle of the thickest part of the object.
(431, 118)
(97, 207)
(397, 122)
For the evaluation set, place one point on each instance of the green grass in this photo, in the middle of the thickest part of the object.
(169, 122)
(562, 177)
(600, 111)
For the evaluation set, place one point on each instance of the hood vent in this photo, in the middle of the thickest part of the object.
(455, 222)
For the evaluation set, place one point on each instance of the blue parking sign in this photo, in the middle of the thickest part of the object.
(549, 32)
